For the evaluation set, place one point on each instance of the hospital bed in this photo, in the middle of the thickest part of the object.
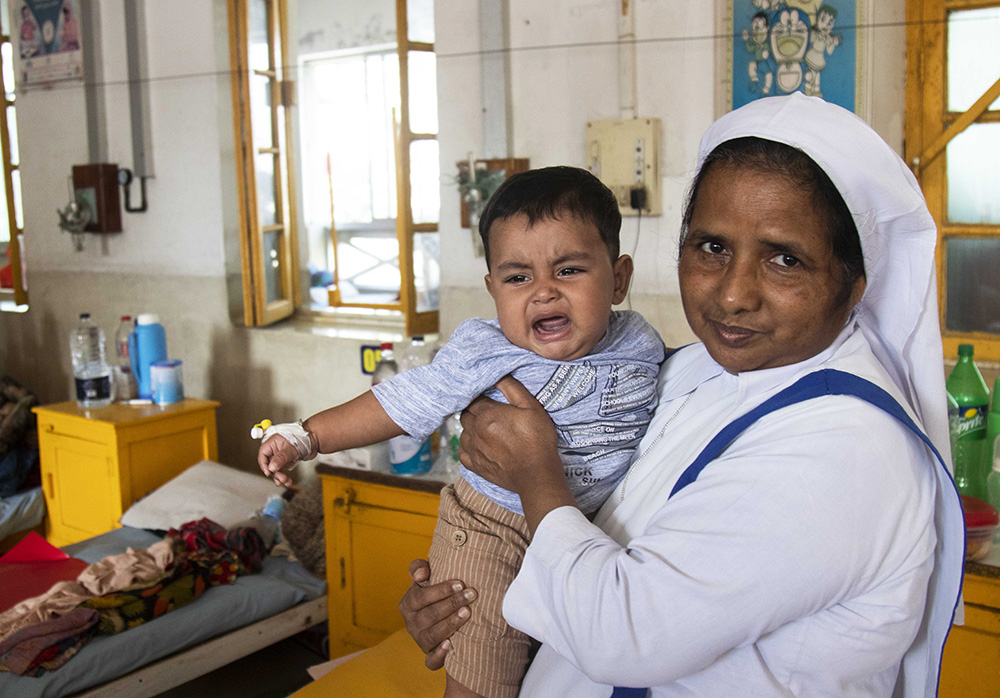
(225, 623)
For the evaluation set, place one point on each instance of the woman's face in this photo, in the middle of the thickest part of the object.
(760, 285)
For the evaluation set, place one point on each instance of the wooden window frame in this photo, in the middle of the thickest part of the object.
(417, 323)
(19, 293)
(257, 310)
(929, 128)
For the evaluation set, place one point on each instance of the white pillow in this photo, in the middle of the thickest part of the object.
(205, 490)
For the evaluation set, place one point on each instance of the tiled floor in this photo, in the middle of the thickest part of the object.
(274, 672)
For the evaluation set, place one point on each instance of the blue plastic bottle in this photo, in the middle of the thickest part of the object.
(147, 344)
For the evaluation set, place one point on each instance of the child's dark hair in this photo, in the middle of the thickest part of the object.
(550, 192)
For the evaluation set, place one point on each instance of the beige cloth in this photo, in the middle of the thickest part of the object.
(114, 573)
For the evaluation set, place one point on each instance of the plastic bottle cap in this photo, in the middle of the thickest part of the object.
(418, 338)
(965, 349)
(84, 316)
(126, 318)
(148, 319)
(386, 345)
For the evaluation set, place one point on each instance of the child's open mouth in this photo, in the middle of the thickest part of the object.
(549, 328)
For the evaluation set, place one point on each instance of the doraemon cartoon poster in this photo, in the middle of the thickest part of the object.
(784, 46)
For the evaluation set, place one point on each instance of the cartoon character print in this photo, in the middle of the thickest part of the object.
(822, 44)
(759, 68)
(789, 42)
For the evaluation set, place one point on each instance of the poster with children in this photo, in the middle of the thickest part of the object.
(47, 43)
(784, 46)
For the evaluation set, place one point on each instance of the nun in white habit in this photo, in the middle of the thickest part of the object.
(788, 527)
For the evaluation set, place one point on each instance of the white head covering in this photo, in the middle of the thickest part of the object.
(898, 313)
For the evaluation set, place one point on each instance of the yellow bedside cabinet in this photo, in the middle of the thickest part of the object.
(96, 462)
(971, 662)
(376, 523)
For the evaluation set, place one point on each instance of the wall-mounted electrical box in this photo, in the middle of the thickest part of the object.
(97, 187)
(624, 154)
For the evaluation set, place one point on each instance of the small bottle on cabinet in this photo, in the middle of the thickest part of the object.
(91, 372)
(126, 387)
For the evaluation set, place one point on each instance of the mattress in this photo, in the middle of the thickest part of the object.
(279, 586)
(21, 511)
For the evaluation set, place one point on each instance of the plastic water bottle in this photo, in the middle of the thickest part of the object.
(386, 367)
(417, 354)
(126, 387)
(90, 365)
(965, 383)
(407, 456)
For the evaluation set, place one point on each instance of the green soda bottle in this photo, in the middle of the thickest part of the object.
(993, 426)
(966, 385)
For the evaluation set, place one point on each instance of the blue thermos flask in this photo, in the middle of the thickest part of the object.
(147, 344)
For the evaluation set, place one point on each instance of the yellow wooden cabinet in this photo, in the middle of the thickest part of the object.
(375, 525)
(96, 462)
(971, 664)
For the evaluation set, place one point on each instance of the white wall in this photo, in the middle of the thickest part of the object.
(181, 231)
(181, 258)
(564, 72)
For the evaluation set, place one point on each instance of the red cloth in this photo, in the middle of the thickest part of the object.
(30, 569)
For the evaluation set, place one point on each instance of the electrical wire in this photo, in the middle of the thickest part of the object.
(293, 69)
(635, 247)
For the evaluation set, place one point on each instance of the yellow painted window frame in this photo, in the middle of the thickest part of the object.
(417, 323)
(19, 293)
(929, 128)
(257, 310)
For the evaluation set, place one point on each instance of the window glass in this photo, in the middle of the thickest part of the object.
(383, 276)
(357, 142)
(427, 270)
(281, 170)
(15, 155)
(5, 232)
(272, 266)
(420, 20)
(266, 205)
(422, 69)
(260, 111)
(973, 56)
(972, 285)
(425, 181)
(15, 180)
(7, 55)
(258, 49)
(369, 267)
(973, 175)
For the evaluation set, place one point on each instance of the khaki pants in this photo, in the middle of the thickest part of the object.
(482, 544)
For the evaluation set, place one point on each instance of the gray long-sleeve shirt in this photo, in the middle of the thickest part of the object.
(601, 404)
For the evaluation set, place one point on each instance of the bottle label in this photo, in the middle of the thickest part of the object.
(98, 388)
(971, 423)
(409, 456)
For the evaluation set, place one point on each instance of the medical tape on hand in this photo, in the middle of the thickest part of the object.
(295, 434)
